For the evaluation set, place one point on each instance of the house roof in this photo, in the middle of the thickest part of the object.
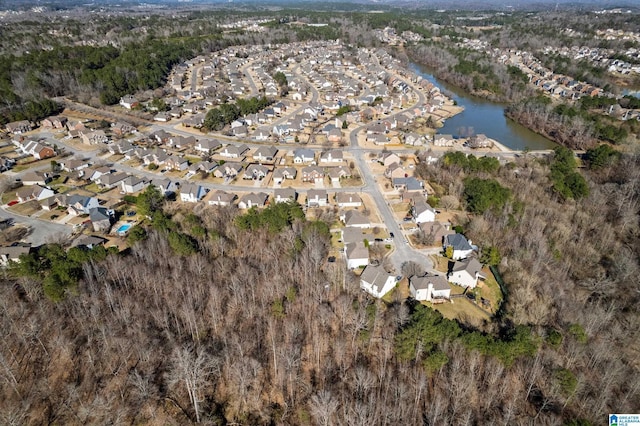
(255, 198)
(99, 214)
(220, 196)
(471, 266)
(421, 207)
(354, 217)
(351, 234)
(285, 193)
(375, 275)
(317, 193)
(347, 197)
(457, 241)
(356, 250)
(266, 151)
(422, 283)
(14, 252)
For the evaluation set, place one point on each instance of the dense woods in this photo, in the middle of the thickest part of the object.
(223, 318)
(250, 325)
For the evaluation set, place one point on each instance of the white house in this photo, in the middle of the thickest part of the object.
(191, 193)
(423, 212)
(466, 273)
(355, 218)
(376, 281)
(357, 254)
(133, 184)
(461, 247)
(317, 198)
(345, 199)
(429, 288)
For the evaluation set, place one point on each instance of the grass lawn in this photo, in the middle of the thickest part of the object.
(402, 208)
(8, 195)
(335, 236)
(440, 263)
(26, 209)
(490, 290)
(61, 189)
(92, 187)
(462, 309)
(352, 181)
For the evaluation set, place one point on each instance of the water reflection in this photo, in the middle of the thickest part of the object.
(483, 116)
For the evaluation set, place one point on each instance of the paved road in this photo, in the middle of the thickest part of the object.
(403, 251)
(41, 231)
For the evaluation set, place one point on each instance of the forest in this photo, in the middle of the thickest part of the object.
(223, 318)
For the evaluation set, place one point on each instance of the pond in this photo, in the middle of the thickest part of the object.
(482, 116)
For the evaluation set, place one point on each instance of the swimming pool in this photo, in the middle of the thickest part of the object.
(122, 229)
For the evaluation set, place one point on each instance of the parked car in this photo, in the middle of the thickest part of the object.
(13, 203)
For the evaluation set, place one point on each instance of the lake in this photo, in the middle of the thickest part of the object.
(484, 117)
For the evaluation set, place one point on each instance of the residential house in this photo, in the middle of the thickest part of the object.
(180, 142)
(34, 192)
(337, 173)
(207, 146)
(353, 218)
(166, 186)
(395, 171)
(35, 178)
(73, 165)
(253, 200)
(317, 198)
(88, 241)
(346, 199)
(78, 204)
(414, 139)
(388, 158)
(466, 273)
(303, 155)
(219, 198)
(332, 156)
(423, 212)
(461, 247)
(133, 184)
(94, 138)
(112, 179)
(255, 171)
(38, 150)
(282, 173)
(129, 102)
(357, 254)
(283, 195)
(312, 174)
(228, 170)
(335, 136)
(407, 184)
(430, 287)
(49, 203)
(121, 128)
(203, 166)
(480, 141)
(12, 253)
(121, 147)
(191, 193)
(176, 163)
(234, 151)
(265, 153)
(18, 127)
(436, 231)
(240, 131)
(376, 281)
(443, 140)
(378, 138)
(54, 122)
(101, 219)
